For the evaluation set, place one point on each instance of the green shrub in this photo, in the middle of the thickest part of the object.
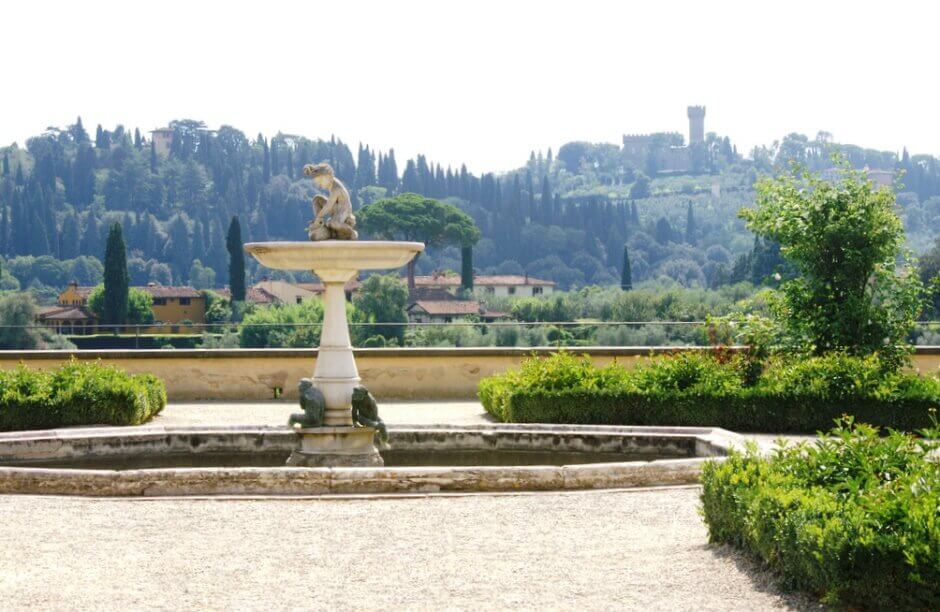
(78, 393)
(696, 389)
(852, 517)
(562, 371)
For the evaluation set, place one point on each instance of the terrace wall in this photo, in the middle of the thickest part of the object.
(397, 373)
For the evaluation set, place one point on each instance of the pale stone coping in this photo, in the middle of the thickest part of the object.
(326, 481)
(482, 351)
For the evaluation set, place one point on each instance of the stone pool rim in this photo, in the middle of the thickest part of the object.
(276, 481)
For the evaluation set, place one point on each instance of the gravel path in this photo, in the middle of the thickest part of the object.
(276, 413)
(588, 550)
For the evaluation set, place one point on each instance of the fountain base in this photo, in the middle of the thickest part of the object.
(336, 447)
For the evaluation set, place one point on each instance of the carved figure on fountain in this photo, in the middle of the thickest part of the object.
(365, 412)
(313, 404)
(333, 214)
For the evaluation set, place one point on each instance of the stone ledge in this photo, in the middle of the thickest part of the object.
(484, 351)
(348, 480)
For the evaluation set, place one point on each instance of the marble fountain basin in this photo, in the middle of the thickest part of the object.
(334, 254)
(154, 461)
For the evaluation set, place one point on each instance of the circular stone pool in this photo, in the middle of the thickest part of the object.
(159, 461)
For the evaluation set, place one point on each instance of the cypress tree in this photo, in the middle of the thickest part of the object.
(153, 158)
(138, 141)
(546, 203)
(236, 261)
(275, 170)
(116, 279)
(690, 229)
(466, 268)
(266, 164)
(626, 276)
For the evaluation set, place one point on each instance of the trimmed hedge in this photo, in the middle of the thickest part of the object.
(852, 517)
(695, 389)
(78, 393)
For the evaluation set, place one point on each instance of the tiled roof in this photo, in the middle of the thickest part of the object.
(67, 313)
(83, 292)
(483, 280)
(252, 294)
(160, 291)
(447, 307)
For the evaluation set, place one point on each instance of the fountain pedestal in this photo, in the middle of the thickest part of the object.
(339, 441)
(336, 446)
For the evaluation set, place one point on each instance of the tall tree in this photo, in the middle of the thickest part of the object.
(236, 260)
(626, 275)
(116, 279)
(410, 216)
(466, 267)
(690, 228)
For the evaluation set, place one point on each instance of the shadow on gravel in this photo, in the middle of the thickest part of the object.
(763, 580)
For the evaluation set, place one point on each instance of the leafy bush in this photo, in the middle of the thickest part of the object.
(844, 238)
(696, 389)
(283, 325)
(852, 517)
(78, 393)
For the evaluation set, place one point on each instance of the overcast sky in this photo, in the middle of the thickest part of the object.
(477, 81)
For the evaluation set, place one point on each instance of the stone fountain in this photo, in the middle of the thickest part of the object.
(336, 256)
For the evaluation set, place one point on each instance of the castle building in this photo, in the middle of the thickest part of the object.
(162, 140)
(666, 152)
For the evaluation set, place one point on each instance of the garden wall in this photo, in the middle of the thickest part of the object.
(396, 373)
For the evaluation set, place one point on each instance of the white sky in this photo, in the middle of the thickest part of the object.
(478, 81)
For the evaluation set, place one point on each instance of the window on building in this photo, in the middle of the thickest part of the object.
(512, 291)
(159, 301)
(448, 319)
(536, 290)
(299, 299)
(185, 301)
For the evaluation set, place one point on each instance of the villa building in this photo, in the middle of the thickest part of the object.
(171, 306)
(509, 285)
(448, 311)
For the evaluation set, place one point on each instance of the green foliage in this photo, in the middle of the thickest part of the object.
(114, 309)
(698, 389)
(283, 325)
(626, 275)
(139, 305)
(410, 216)
(17, 326)
(844, 239)
(851, 516)
(218, 309)
(236, 260)
(78, 393)
(383, 299)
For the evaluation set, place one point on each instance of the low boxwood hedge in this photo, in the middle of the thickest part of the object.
(78, 393)
(852, 517)
(696, 389)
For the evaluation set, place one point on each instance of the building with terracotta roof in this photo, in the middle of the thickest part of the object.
(499, 284)
(447, 311)
(170, 304)
(68, 319)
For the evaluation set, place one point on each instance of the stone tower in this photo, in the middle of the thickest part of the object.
(696, 125)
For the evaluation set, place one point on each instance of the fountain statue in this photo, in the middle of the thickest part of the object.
(331, 436)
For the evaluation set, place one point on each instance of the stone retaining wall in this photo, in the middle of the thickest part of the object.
(405, 373)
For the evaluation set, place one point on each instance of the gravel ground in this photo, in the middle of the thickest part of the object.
(588, 550)
(276, 413)
(640, 549)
